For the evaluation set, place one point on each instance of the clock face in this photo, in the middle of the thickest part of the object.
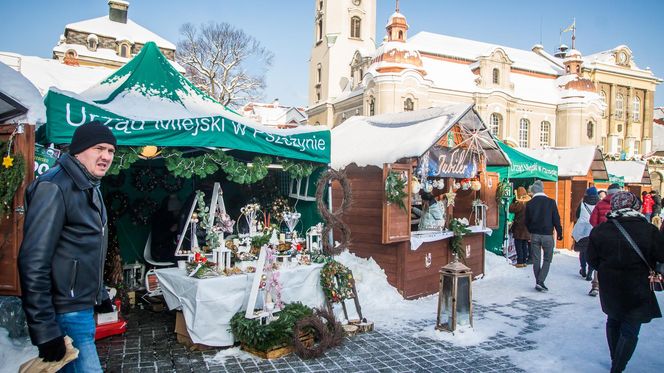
(622, 57)
(357, 2)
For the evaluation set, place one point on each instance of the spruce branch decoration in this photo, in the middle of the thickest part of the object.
(298, 170)
(395, 188)
(11, 178)
(124, 157)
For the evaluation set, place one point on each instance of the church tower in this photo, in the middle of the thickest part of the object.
(341, 28)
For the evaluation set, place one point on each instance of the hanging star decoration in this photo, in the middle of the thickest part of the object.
(449, 196)
(476, 140)
(8, 161)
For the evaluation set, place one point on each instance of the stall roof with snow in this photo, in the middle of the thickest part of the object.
(387, 138)
(572, 161)
(634, 172)
(20, 101)
(524, 166)
(148, 102)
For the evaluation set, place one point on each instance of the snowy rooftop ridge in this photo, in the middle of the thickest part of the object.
(576, 161)
(19, 88)
(130, 31)
(632, 171)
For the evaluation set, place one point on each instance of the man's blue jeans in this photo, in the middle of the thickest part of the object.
(80, 326)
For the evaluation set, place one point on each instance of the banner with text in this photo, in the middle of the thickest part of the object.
(446, 162)
(64, 114)
(45, 158)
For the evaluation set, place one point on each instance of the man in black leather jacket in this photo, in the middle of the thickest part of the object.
(61, 260)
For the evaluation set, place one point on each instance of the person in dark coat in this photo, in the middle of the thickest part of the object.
(518, 229)
(624, 290)
(582, 228)
(657, 206)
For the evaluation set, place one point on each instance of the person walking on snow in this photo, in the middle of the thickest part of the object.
(518, 228)
(582, 229)
(625, 294)
(541, 218)
(598, 217)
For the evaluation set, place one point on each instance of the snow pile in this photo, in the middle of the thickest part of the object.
(17, 87)
(228, 354)
(14, 352)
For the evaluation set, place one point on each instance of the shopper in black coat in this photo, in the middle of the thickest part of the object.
(624, 290)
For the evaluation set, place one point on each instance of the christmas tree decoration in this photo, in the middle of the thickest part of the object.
(7, 162)
(11, 177)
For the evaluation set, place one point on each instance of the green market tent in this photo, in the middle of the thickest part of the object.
(620, 180)
(148, 102)
(523, 167)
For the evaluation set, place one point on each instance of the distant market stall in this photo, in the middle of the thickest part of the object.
(578, 168)
(392, 160)
(523, 171)
(634, 174)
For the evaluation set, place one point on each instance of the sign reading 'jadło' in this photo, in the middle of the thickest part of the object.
(65, 114)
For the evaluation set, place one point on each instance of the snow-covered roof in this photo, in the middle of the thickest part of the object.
(44, 73)
(273, 114)
(657, 137)
(572, 161)
(470, 50)
(632, 171)
(130, 31)
(386, 138)
(17, 87)
(102, 54)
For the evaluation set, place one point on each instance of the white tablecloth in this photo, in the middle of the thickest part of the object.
(417, 238)
(209, 304)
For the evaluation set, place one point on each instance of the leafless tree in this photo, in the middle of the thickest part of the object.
(224, 61)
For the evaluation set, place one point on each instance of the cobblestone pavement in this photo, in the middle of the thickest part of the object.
(150, 346)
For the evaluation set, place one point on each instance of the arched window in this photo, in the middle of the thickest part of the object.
(400, 35)
(523, 132)
(590, 129)
(496, 76)
(620, 100)
(495, 121)
(319, 73)
(602, 96)
(545, 133)
(92, 42)
(636, 109)
(319, 28)
(372, 106)
(408, 105)
(355, 26)
(124, 50)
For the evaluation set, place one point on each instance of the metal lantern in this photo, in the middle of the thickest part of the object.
(314, 236)
(455, 298)
(479, 210)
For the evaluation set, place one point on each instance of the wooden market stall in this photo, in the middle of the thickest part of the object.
(635, 174)
(578, 168)
(422, 148)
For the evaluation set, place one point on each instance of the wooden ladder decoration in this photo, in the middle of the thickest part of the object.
(329, 304)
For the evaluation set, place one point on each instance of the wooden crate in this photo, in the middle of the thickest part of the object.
(277, 352)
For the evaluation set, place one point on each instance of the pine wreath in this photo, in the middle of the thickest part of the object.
(335, 278)
(118, 203)
(171, 183)
(142, 210)
(315, 326)
(144, 179)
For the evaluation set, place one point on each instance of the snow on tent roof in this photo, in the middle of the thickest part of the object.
(523, 166)
(572, 161)
(19, 89)
(130, 31)
(634, 172)
(386, 138)
(148, 102)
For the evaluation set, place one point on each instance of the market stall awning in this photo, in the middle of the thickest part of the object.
(148, 102)
(387, 138)
(524, 166)
(632, 172)
(577, 161)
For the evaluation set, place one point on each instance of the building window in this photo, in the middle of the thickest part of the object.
(355, 26)
(602, 96)
(496, 76)
(637, 147)
(619, 106)
(319, 73)
(318, 95)
(495, 122)
(408, 105)
(124, 50)
(545, 133)
(620, 146)
(604, 145)
(590, 130)
(523, 132)
(636, 109)
(372, 106)
(319, 28)
(92, 42)
(619, 127)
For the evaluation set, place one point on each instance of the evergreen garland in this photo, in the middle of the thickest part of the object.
(210, 162)
(11, 178)
(298, 170)
(395, 188)
(124, 157)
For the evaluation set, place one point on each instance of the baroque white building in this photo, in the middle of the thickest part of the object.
(529, 98)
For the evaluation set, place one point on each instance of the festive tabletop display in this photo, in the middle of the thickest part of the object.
(335, 278)
(12, 172)
(395, 188)
(201, 267)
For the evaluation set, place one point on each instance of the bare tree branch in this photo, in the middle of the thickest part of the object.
(224, 61)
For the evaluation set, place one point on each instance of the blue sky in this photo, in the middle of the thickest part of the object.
(32, 27)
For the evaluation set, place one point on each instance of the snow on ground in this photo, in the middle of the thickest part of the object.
(14, 352)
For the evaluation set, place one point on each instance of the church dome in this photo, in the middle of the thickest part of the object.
(394, 56)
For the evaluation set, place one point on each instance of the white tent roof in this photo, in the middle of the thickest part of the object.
(386, 138)
(571, 161)
(18, 88)
(632, 171)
